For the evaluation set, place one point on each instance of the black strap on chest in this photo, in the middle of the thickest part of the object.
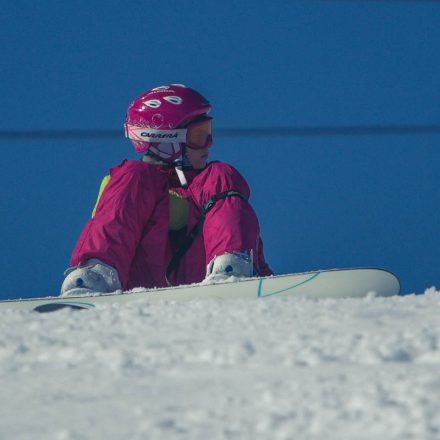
(198, 227)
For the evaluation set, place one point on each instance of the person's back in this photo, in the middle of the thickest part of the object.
(170, 218)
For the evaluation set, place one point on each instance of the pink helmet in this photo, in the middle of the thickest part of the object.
(162, 110)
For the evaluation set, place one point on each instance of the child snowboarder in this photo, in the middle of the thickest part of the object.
(171, 218)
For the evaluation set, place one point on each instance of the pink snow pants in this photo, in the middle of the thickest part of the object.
(130, 228)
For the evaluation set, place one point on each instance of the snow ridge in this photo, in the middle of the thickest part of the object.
(278, 368)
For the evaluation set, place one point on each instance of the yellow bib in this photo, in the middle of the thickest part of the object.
(179, 209)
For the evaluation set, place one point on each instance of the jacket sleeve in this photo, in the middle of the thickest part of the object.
(124, 208)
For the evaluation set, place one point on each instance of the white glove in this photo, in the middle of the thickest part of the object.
(94, 276)
(237, 264)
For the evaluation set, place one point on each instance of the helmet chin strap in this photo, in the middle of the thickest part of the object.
(178, 166)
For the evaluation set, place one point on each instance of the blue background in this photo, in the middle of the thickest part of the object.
(324, 200)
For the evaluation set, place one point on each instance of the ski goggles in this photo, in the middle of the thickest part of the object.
(196, 135)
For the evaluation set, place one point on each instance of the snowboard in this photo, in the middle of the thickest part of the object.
(320, 284)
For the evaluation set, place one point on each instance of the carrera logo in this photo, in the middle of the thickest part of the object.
(159, 135)
(149, 134)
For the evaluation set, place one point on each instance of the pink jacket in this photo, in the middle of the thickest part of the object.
(130, 228)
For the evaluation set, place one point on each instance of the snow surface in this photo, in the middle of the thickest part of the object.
(275, 368)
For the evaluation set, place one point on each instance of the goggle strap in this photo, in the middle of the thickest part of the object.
(152, 135)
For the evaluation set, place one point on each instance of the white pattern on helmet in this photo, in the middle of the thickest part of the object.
(153, 103)
(156, 121)
(179, 85)
(161, 88)
(176, 100)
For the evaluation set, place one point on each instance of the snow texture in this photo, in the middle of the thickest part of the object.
(278, 368)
